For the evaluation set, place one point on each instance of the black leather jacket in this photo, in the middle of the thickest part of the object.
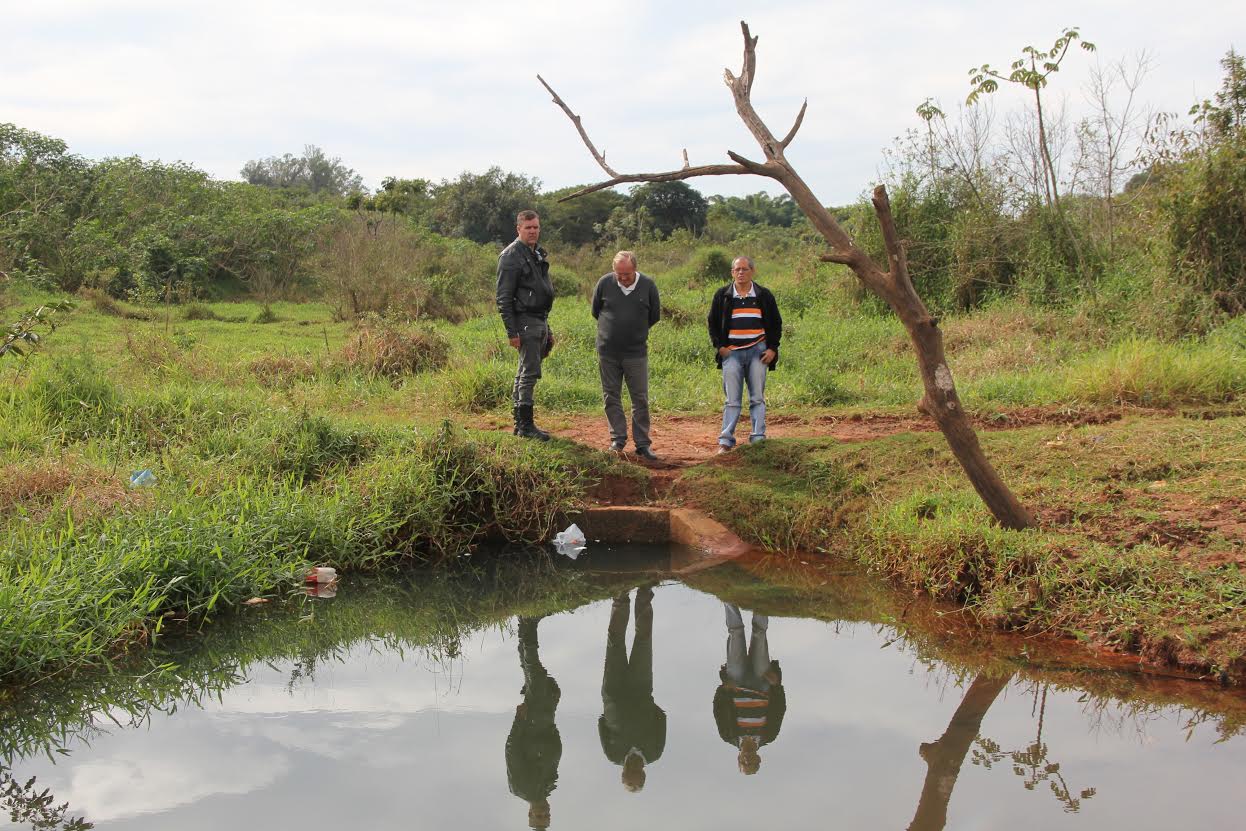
(524, 287)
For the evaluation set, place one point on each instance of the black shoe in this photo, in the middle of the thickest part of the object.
(524, 427)
(617, 445)
(646, 454)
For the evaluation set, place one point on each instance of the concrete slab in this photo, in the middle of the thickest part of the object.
(702, 542)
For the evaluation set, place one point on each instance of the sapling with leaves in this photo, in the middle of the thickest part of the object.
(1032, 71)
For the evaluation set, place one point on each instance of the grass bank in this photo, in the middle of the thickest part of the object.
(1139, 548)
(246, 500)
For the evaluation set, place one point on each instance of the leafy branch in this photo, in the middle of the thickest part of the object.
(24, 335)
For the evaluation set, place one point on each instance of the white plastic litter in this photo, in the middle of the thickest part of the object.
(142, 478)
(571, 542)
(321, 581)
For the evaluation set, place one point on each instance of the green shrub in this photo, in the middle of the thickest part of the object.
(1206, 207)
(201, 311)
(705, 267)
(566, 283)
(397, 268)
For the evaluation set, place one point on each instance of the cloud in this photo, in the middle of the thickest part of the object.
(431, 88)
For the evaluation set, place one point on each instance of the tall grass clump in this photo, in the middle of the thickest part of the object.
(947, 545)
(198, 311)
(706, 266)
(1151, 373)
(307, 449)
(70, 596)
(476, 387)
(74, 397)
(383, 347)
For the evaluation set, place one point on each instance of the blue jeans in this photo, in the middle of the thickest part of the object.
(742, 367)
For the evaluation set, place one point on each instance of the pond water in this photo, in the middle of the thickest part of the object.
(422, 704)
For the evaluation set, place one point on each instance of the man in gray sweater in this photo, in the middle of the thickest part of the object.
(625, 304)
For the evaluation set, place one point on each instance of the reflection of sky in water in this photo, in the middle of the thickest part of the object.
(384, 742)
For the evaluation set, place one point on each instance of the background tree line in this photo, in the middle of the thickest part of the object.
(1138, 213)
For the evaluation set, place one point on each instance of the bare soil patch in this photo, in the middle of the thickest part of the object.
(1200, 534)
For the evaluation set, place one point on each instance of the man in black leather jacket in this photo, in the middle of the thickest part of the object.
(525, 295)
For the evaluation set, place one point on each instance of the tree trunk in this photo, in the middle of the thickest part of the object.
(940, 401)
(1053, 187)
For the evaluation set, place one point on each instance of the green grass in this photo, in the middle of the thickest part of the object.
(245, 502)
(1115, 503)
(836, 353)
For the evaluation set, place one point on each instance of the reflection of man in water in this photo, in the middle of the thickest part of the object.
(749, 703)
(632, 726)
(534, 747)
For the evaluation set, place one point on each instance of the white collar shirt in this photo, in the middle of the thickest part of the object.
(752, 291)
(628, 289)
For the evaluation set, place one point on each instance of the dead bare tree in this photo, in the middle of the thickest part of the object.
(893, 285)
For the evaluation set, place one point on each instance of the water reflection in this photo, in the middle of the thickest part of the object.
(1032, 763)
(25, 803)
(750, 702)
(356, 702)
(534, 747)
(632, 726)
(945, 755)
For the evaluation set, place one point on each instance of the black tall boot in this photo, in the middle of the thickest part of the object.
(524, 428)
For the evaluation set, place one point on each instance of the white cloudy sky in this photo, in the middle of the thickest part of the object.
(428, 89)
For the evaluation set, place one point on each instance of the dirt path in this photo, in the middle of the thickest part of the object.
(683, 440)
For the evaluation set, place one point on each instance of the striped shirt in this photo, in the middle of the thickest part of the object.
(748, 328)
(752, 710)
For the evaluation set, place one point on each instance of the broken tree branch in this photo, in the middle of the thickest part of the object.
(791, 134)
(575, 119)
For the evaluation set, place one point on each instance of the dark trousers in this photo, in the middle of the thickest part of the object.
(614, 371)
(627, 682)
(532, 336)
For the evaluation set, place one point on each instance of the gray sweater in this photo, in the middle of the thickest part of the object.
(623, 320)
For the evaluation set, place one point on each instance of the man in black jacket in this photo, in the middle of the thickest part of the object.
(534, 747)
(745, 329)
(750, 703)
(524, 296)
